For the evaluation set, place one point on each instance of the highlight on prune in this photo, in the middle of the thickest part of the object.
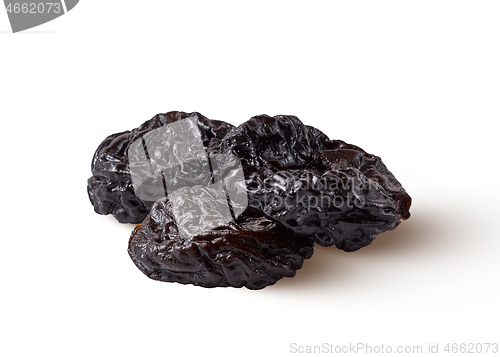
(189, 237)
(327, 189)
(111, 188)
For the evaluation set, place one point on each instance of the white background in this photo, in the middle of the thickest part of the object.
(417, 83)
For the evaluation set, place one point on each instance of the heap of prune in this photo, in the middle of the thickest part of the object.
(240, 206)
(251, 251)
(327, 189)
(110, 188)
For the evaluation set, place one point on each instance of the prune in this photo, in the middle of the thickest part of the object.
(327, 189)
(188, 238)
(111, 189)
(240, 206)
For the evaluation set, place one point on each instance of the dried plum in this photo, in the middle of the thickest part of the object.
(111, 190)
(327, 189)
(187, 238)
(240, 206)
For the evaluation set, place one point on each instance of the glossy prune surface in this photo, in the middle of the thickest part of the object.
(175, 243)
(326, 189)
(110, 188)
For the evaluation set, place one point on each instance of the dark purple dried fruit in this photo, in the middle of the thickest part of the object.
(110, 188)
(240, 206)
(177, 244)
(327, 189)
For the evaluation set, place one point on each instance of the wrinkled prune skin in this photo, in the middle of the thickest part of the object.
(317, 187)
(110, 189)
(251, 252)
